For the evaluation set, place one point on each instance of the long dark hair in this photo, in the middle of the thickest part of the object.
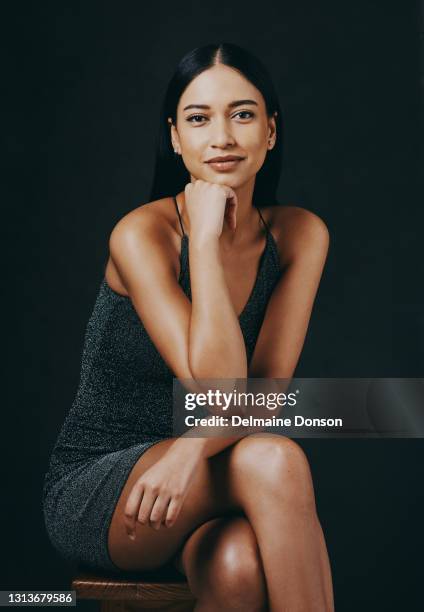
(170, 174)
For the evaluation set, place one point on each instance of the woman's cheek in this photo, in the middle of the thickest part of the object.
(189, 162)
(260, 158)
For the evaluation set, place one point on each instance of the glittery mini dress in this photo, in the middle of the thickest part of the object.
(123, 406)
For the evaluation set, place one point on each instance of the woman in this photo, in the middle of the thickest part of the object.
(202, 285)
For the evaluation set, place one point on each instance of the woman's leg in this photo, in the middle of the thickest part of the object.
(223, 565)
(208, 497)
(271, 479)
(266, 477)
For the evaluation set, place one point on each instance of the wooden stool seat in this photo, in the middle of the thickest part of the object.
(162, 590)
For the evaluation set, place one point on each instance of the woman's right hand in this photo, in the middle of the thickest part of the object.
(208, 205)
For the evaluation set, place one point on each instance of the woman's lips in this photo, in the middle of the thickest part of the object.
(223, 166)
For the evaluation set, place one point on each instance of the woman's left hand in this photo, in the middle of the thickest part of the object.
(158, 495)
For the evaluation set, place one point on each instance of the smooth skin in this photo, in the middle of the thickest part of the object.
(237, 516)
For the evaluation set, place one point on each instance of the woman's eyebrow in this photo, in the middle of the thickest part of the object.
(230, 105)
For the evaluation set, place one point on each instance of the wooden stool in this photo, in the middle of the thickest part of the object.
(143, 591)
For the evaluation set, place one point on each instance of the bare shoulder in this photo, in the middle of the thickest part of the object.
(156, 218)
(297, 232)
(152, 224)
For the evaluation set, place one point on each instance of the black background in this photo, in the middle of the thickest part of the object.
(83, 84)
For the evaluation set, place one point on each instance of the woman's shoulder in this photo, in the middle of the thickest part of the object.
(156, 221)
(295, 230)
(159, 216)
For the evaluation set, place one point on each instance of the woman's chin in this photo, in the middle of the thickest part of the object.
(222, 178)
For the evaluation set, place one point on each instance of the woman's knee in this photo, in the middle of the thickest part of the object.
(274, 463)
(230, 569)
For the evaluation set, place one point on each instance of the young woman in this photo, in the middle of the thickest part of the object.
(210, 279)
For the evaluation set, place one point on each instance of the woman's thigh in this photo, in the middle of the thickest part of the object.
(223, 485)
(207, 498)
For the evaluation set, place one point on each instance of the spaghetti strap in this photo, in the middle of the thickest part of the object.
(179, 216)
(263, 221)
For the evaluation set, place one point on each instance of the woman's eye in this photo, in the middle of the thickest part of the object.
(198, 118)
(195, 117)
(249, 113)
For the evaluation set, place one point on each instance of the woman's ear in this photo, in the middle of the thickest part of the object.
(174, 137)
(272, 131)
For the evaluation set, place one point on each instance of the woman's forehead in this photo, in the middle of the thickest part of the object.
(218, 86)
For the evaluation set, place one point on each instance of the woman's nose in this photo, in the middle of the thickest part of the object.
(221, 134)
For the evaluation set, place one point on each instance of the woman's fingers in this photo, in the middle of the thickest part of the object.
(159, 511)
(132, 506)
(232, 203)
(147, 503)
(231, 213)
(173, 511)
(148, 506)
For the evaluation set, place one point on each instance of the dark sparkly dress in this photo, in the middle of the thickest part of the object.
(123, 406)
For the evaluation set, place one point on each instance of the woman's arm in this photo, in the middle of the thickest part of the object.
(216, 344)
(305, 241)
(199, 340)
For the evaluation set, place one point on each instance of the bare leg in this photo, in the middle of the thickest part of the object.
(224, 568)
(267, 478)
(281, 509)
(207, 498)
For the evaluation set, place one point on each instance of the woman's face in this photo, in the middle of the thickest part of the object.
(221, 113)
